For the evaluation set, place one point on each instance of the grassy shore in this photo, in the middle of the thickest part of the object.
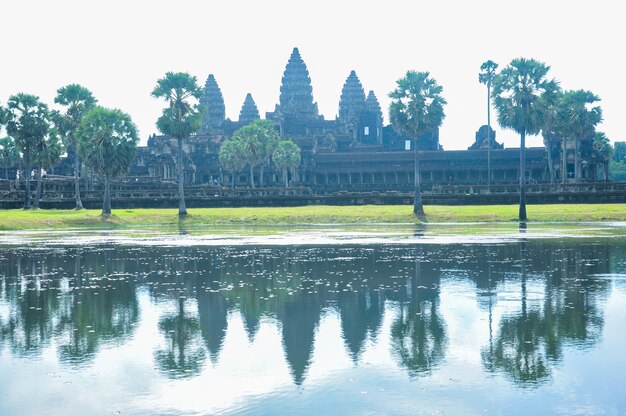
(132, 218)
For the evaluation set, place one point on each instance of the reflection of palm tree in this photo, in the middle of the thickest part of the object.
(418, 336)
(102, 309)
(517, 349)
(184, 355)
(30, 326)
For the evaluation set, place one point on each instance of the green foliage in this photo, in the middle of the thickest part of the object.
(575, 118)
(416, 104)
(28, 122)
(183, 115)
(286, 155)
(617, 171)
(258, 140)
(107, 139)
(487, 72)
(9, 156)
(522, 94)
(231, 156)
(619, 152)
(78, 100)
(49, 150)
(602, 146)
(4, 115)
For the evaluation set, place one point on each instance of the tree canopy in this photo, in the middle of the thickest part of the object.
(28, 123)
(522, 94)
(181, 92)
(416, 108)
(286, 157)
(108, 141)
(416, 104)
(180, 119)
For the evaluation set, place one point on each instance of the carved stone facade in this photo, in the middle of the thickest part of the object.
(355, 151)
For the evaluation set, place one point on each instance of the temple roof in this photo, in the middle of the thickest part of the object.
(296, 92)
(372, 104)
(249, 111)
(213, 101)
(352, 100)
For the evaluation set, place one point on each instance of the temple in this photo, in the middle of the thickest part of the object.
(355, 151)
(352, 159)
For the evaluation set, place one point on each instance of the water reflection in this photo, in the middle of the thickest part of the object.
(77, 301)
(81, 300)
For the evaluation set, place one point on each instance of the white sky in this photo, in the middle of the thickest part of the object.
(118, 49)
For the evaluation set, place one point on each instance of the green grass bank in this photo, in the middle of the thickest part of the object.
(46, 219)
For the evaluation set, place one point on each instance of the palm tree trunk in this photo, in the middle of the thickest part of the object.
(38, 191)
(606, 171)
(233, 179)
(563, 162)
(550, 162)
(251, 177)
(27, 196)
(286, 177)
(6, 172)
(261, 178)
(182, 208)
(418, 207)
(489, 136)
(522, 177)
(79, 203)
(106, 204)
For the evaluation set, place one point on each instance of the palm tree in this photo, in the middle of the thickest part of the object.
(604, 151)
(48, 154)
(78, 100)
(551, 134)
(180, 119)
(486, 76)
(107, 140)
(28, 122)
(521, 93)
(231, 157)
(576, 119)
(417, 108)
(9, 156)
(255, 138)
(286, 157)
(269, 138)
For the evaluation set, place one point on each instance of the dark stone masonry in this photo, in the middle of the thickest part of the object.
(354, 153)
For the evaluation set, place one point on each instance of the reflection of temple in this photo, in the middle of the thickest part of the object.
(79, 301)
(354, 151)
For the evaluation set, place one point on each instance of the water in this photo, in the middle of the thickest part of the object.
(436, 320)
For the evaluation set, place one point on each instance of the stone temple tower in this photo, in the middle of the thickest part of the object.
(249, 111)
(351, 105)
(374, 119)
(215, 111)
(296, 106)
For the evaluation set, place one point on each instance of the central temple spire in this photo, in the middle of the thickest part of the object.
(296, 92)
(213, 102)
